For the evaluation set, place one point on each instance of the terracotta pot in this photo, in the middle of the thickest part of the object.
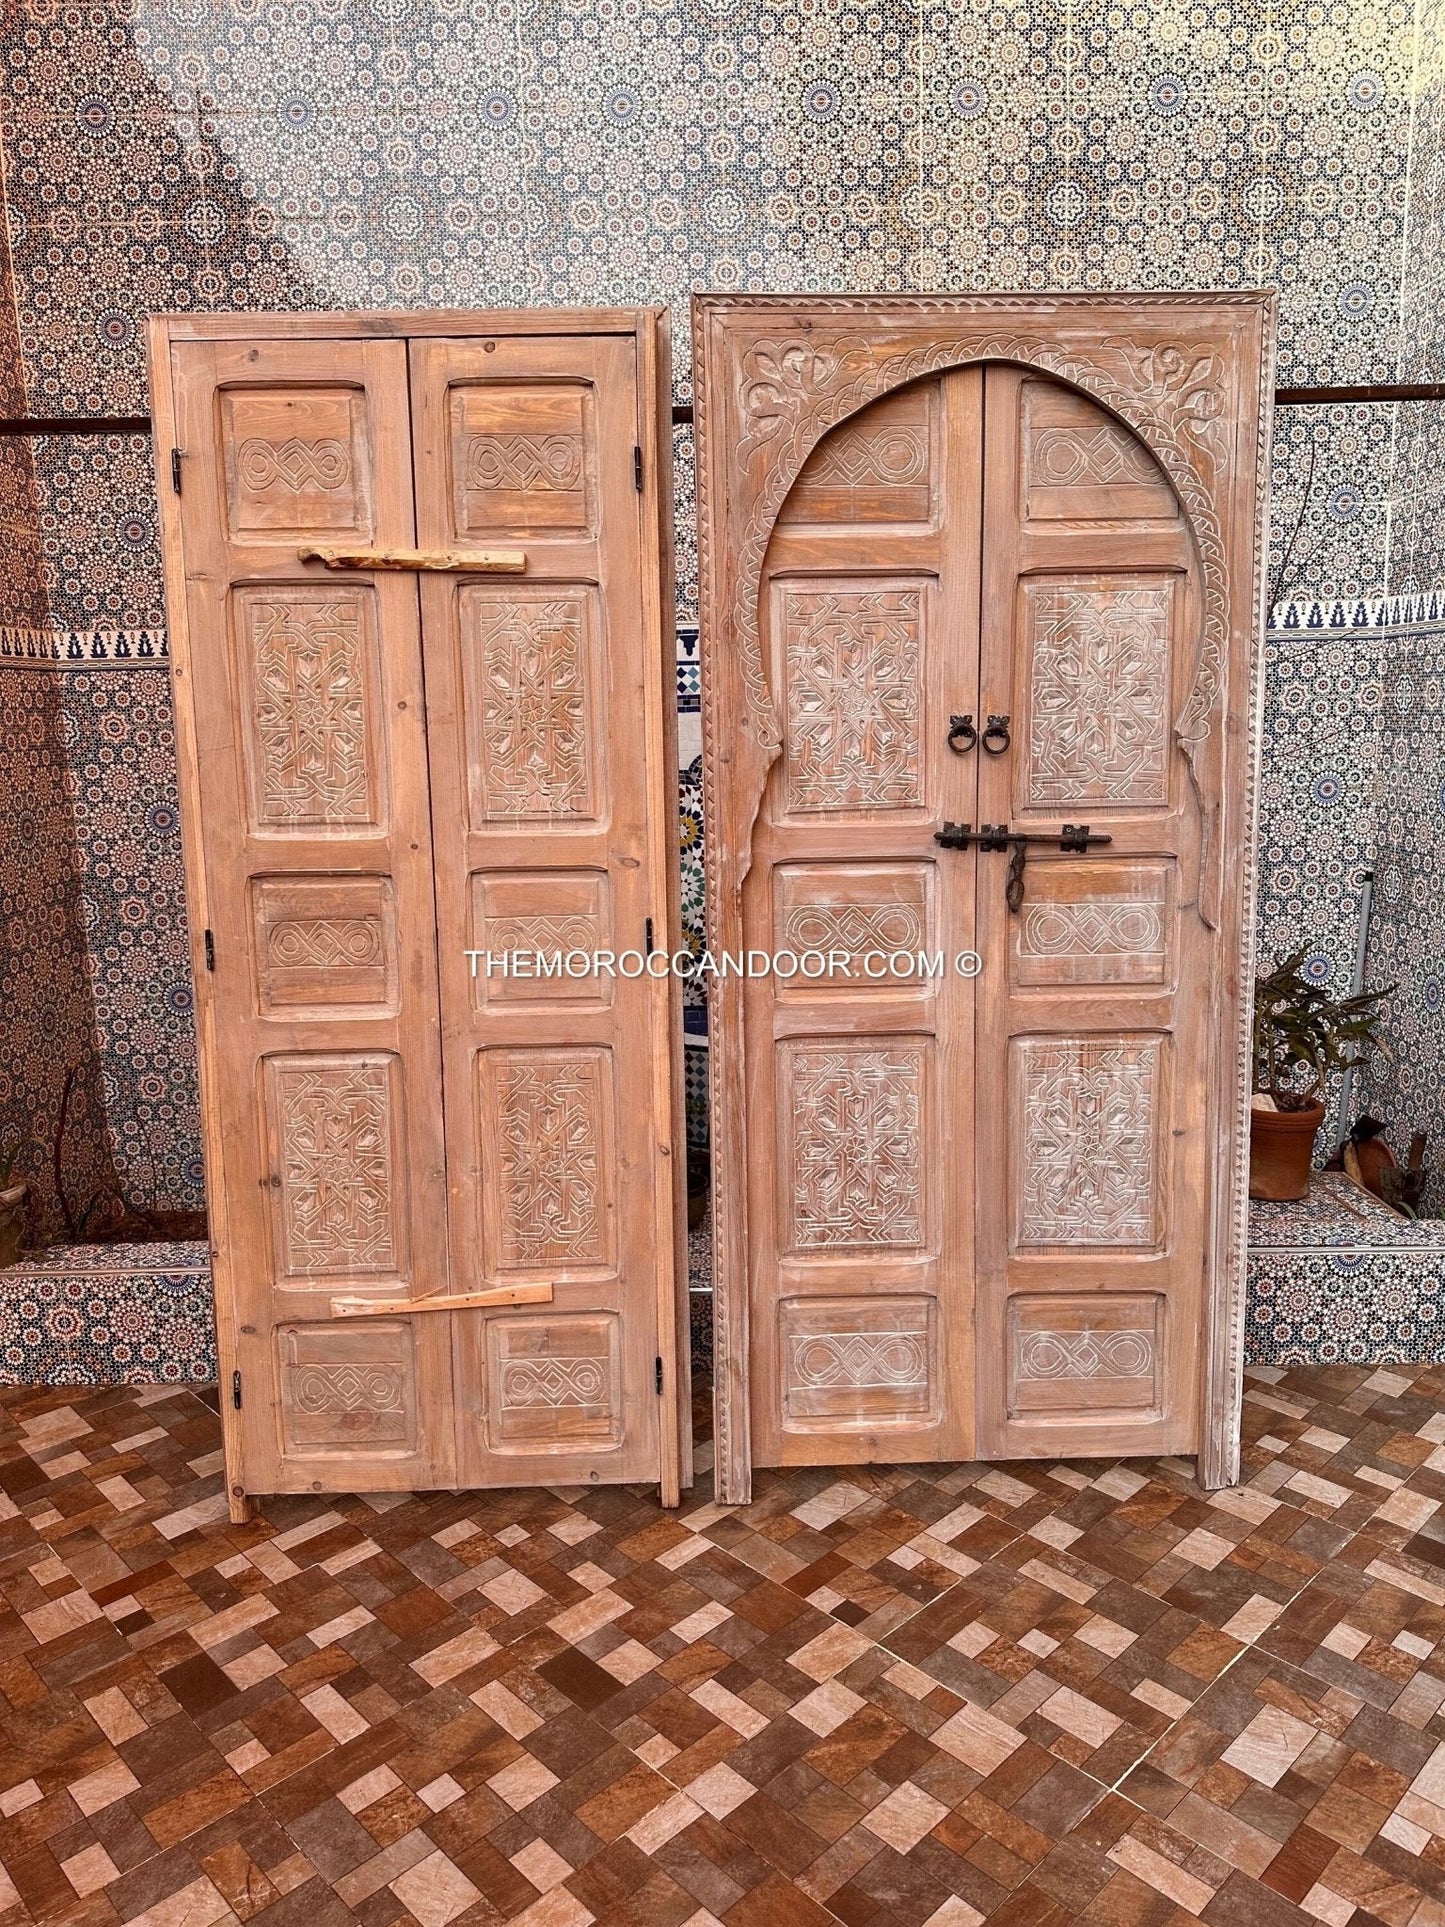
(1281, 1149)
(12, 1222)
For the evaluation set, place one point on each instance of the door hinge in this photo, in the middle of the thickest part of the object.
(176, 470)
(236, 1390)
(649, 937)
(210, 951)
(637, 469)
(657, 1369)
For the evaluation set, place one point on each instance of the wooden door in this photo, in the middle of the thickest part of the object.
(361, 758)
(1094, 1027)
(301, 704)
(553, 839)
(980, 563)
(861, 1060)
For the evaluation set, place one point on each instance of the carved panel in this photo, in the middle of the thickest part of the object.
(324, 942)
(336, 1173)
(546, 1121)
(559, 916)
(308, 670)
(1099, 650)
(348, 1389)
(855, 917)
(1085, 1354)
(296, 462)
(522, 458)
(1086, 1116)
(530, 673)
(875, 468)
(871, 1360)
(1081, 464)
(853, 669)
(554, 1384)
(1095, 922)
(853, 1165)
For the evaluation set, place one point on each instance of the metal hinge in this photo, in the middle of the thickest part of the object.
(657, 1366)
(236, 1390)
(176, 470)
(210, 951)
(649, 936)
(637, 469)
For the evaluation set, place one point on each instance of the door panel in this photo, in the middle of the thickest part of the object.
(861, 1296)
(543, 713)
(1093, 999)
(320, 1059)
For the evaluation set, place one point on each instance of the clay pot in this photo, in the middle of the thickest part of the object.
(12, 1222)
(1281, 1150)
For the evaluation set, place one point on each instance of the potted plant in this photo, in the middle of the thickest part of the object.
(1301, 1034)
(13, 1195)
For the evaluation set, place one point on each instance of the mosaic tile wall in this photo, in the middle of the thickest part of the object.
(161, 154)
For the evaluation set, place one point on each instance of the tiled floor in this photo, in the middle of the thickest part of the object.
(1033, 1696)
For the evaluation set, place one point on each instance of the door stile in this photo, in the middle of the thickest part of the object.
(674, 1320)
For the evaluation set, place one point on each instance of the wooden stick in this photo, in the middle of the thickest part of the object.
(439, 561)
(458, 1301)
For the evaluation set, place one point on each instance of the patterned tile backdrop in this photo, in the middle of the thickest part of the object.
(214, 154)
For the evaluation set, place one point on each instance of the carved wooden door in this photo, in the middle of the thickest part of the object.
(544, 710)
(380, 1125)
(979, 588)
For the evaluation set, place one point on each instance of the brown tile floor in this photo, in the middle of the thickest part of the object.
(1033, 1695)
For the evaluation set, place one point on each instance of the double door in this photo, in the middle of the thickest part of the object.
(414, 571)
(979, 1132)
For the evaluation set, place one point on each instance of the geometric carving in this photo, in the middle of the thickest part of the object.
(334, 1129)
(1094, 923)
(308, 670)
(347, 1389)
(1085, 1355)
(1086, 1114)
(868, 911)
(295, 461)
(521, 458)
(528, 671)
(857, 1358)
(324, 941)
(854, 1169)
(553, 1384)
(1099, 650)
(1083, 465)
(854, 676)
(874, 468)
(546, 1119)
(555, 913)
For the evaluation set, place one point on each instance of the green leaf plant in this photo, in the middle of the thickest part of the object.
(1302, 1033)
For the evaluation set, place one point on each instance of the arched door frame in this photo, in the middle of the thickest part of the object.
(1192, 377)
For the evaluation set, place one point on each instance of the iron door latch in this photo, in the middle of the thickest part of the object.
(1072, 839)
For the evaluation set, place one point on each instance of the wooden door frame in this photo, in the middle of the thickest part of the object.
(650, 329)
(1192, 375)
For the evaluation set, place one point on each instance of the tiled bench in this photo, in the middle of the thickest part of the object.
(131, 1314)
(1339, 1280)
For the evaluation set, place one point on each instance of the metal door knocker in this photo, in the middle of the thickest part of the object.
(961, 734)
(996, 738)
